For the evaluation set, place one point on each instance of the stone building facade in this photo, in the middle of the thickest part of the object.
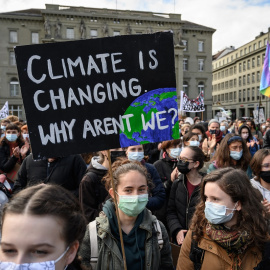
(236, 79)
(192, 42)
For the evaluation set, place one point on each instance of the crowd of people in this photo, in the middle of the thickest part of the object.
(207, 193)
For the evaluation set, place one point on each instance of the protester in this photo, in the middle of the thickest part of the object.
(4, 123)
(228, 229)
(152, 151)
(213, 131)
(139, 226)
(184, 129)
(232, 152)
(64, 171)
(191, 139)
(168, 172)
(92, 192)
(224, 126)
(184, 192)
(158, 195)
(42, 228)
(200, 131)
(12, 118)
(12, 149)
(254, 131)
(260, 165)
(196, 120)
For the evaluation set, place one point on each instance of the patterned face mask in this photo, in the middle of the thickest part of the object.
(48, 265)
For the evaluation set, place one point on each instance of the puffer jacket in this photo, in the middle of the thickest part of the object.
(180, 208)
(215, 257)
(110, 257)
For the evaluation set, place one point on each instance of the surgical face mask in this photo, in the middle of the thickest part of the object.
(222, 128)
(244, 136)
(200, 137)
(3, 127)
(25, 136)
(236, 155)
(12, 137)
(183, 167)
(265, 176)
(135, 156)
(216, 213)
(175, 152)
(132, 205)
(35, 266)
(194, 143)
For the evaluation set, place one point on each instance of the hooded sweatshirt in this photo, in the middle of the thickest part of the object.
(134, 242)
(92, 193)
(265, 192)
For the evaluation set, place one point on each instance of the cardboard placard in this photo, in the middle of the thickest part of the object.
(90, 95)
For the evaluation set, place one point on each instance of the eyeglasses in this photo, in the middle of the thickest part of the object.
(265, 165)
(184, 160)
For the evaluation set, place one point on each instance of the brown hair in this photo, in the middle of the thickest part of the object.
(12, 118)
(251, 217)
(169, 144)
(256, 162)
(188, 136)
(222, 155)
(13, 126)
(122, 166)
(198, 155)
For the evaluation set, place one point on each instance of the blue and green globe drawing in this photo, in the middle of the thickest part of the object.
(149, 109)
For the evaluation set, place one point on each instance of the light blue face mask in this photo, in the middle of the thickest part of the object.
(135, 156)
(175, 152)
(216, 213)
(132, 205)
(12, 137)
(236, 155)
(194, 143)
(222, 128)
(35, 266)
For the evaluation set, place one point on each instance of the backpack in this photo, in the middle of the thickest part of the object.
(196, 254)
(94, 240)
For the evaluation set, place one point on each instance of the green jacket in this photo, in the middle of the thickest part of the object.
(110, 257)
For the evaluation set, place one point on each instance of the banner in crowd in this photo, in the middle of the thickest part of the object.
(259, 116)
(4, 111)
(89, 95)
(265, 78)
(192, 105)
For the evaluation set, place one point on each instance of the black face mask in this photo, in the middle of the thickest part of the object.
(212, 131)
(265, 176)
(183, 167)
(117, 154)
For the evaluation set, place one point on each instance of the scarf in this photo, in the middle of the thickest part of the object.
(234, 242)
(218, 135)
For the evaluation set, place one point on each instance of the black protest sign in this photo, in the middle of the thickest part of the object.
(90, 95)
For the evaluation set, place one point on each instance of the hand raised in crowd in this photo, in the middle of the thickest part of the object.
(16, 152)
(205, 145)
(212, 142)
(266, 204)
(174, 174)
(180, 237)
(24, 149)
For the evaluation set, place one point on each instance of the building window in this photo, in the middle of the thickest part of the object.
(240, 81)
(260, 44)
(248, 94)
(253, 77)
(226, 97)
(249, 48)
(13, 36)
(240, 67)
(12, 60)
(234, 96)
(201, 64)
(258, 92)
(253, 62)
(241, 53)
(255, 46)
(226, 73)
(15, 110)
(263, 56)
(265, 41)
(248, 78)
(226, 84)
(245, 50)
(116, 33)
(234, 82)
(258, 61)
(253, 93)
(234, 69)
(248, 64)
(185, 64)
(185, 43)
(14, 87)
(240, 95)
(185, 87)
(200, 46)
(258, 76)
(70, 33)
(200, 87)
(244, 79)
(93, 33)
(35, 38)
(230, 96)
(244, 65)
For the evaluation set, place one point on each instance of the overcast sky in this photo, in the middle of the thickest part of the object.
(236, 21)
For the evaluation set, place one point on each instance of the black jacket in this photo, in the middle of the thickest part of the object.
(92, 193)
(180, 208)
(7, 163)
(266, 139)
(66, 172)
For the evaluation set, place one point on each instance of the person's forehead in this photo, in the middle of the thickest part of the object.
(235, 143)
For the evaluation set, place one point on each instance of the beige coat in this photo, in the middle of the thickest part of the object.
(215, 257)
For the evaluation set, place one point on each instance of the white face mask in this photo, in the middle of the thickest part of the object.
(175, 152)
(135, 156)
(25, 135)
(48, 265)
(194, 143)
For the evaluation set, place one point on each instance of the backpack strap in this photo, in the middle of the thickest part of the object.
(93, 243)
(159, 233)
(196, 254)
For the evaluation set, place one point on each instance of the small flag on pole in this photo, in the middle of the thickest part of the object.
(265, 78)
(4, 111)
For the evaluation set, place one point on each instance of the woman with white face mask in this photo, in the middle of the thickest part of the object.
(140, 237)
(42, 227)
(229, 229)
(191, 139)
(184, 192)
(158, 196)
(252, 143)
